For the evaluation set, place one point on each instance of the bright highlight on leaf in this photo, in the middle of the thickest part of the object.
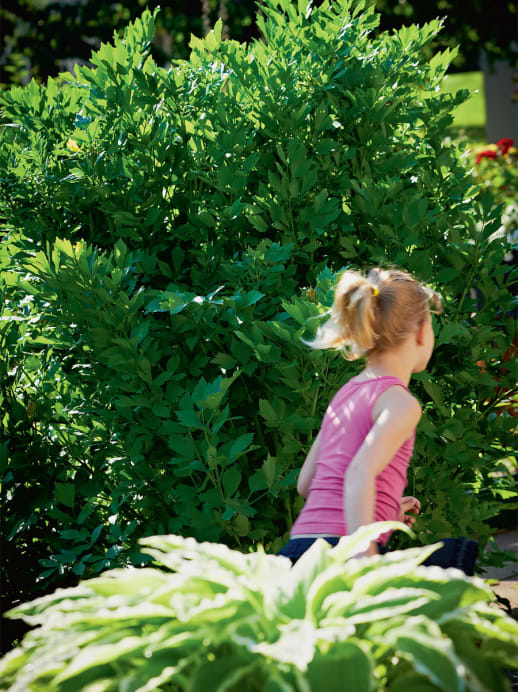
(73, 145)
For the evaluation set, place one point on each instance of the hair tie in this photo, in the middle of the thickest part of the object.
(375, 291)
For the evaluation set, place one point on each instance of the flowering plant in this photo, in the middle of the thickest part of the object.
(496, 167)
(486, 154)
(505, 144)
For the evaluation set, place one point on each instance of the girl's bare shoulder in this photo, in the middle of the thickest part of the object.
(398, 402)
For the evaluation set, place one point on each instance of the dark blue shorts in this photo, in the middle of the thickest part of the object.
(296, 547)
(461, 553)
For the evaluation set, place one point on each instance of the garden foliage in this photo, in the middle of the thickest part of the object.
(228, 622)
(166, 236)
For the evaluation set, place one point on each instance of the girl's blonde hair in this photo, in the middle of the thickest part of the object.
(375, 313)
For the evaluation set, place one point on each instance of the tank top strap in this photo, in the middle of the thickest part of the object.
(379, 384)
(375, 387)
(389, 381)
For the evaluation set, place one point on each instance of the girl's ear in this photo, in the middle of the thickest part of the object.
(420, 333)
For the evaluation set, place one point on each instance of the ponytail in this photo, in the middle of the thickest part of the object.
(373, 313)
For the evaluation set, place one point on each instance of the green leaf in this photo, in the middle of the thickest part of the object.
(266, 410)
(240, 445)
(224, 360)
(242, 525)
(350, 662)
(390, 604)
(412, 683)
(360, 540)
(257, 481)
(161, 411)
(295, 594)
(144, 370)
(96, 533)
(189, 419)
(269, 470)
(421, 642)
(296, 644)
(231, 481)
(449, 332)
(65, 493)
(221, 674)
(434, 391)
(102, 654)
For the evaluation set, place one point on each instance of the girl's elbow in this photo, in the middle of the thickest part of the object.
(302, 489)
(303, 483)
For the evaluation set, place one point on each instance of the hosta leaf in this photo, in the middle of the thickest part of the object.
(484, 673)
(500, 633)
(413, 682)
(391, 603)
(324, 582)
(421, 642)
(296, 644)
(349, 667)
(99, 655)
(221, 674)
(294, 594)
(454, 589)
(123, 582)
(349, 546)
(176, 551)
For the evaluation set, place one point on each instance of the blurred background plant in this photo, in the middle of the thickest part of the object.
(44, 37)
(496, 166)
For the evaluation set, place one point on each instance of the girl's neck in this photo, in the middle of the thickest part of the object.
(388, 365)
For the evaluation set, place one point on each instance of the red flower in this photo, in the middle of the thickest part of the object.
(486, 154)
(504, 145)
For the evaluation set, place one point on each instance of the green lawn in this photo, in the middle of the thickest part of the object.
(470, 117)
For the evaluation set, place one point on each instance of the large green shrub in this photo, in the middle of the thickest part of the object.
(166, 236)
(229, 622)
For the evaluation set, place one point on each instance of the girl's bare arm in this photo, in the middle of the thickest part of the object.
(308, 468)
(395, 414)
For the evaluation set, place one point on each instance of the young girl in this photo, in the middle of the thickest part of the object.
(355, 472)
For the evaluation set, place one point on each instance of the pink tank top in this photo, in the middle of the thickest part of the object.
(345, 425)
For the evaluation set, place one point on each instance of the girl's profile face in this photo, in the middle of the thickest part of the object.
(429, 337)
(426, 340)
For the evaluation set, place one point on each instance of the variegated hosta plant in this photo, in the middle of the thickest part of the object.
(218, 620)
